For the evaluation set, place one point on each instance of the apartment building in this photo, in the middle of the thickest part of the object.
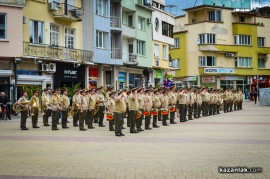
(11, 47)
(220, 47)
(53, 55)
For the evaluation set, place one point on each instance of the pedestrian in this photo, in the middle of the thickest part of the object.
(255, 95)
(4, 101)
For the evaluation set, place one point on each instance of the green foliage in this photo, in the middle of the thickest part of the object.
(72, 89)
(31, 89)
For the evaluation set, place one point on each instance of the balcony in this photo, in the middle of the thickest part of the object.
(56, 53)
(66, 12)
(128, 31)
(115, 23)
(128, 5)
(12, 2)
(132, 60)
(116, 53)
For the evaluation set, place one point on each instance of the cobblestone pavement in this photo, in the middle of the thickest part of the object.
(189, 150)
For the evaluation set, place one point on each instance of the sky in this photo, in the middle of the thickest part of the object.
(182, 4)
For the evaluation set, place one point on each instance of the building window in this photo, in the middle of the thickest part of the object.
(3, 26)
(207, 38)
(141, 23)
(155, 4)
(70, 38)
(261, 63)
(242, 40)
(164, 52)
(130, 21)
(174, 63)
(214, 15)
(261, 42)
(242, 19)
(162, 7)
(36, 32)
(54, 35)
(108, 78)
(207, 61)
(156, 50)
(102, 39)
(176, 43)
(243, 62)
(102, 8)
(140, 47)
(167, 29)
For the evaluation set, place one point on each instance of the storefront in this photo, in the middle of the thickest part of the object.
(257, 82)
(130, 77)
(208, 81)
(187, 82)
(158, 78)
(135, 80)
(6, 84)
(93, 77)
(68, 75)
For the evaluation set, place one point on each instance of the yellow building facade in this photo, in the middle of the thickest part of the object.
(223, 48)
(52, 39)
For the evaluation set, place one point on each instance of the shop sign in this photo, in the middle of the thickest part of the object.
(122, 77)
(159, 74)
(27, 72)
(232, 78)
(219, 70)
(191, 78)
(70, 74)
(93, 73)
(208, 79)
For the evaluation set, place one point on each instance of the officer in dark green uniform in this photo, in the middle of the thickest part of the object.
(24, 109)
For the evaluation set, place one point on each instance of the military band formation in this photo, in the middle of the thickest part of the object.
(136, 104)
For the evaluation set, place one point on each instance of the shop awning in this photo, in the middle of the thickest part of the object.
(34, 78)
(5, 72)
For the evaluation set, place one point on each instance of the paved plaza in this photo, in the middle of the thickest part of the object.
(194, 149)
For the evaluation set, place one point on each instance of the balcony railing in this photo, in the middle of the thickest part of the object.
(132, 60)
(116, 53)
(13, 2)
(128, 31)
(66, 12)
(56, 53)
(115, 22)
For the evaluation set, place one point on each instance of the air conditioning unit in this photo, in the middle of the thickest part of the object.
(44, 67)
(53, 6)
(149, 21)
(52, 67)
(229, 54)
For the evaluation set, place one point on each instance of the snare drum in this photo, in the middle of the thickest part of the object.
(164, 112)
(154, 113)
(146, 113)
(172, 109)
(109, 117)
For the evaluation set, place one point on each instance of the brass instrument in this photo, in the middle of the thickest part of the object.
(17, 107)
(33, 102)
(74, 110)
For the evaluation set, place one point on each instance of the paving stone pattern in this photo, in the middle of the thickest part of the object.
(188, 150)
